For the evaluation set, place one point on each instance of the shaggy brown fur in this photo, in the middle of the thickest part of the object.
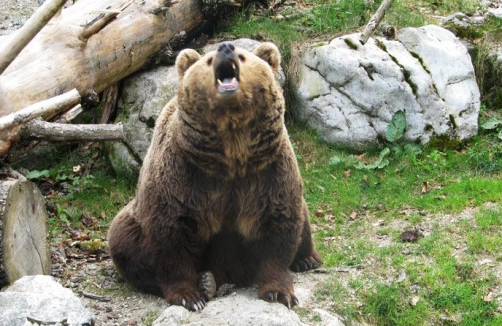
(220, 189)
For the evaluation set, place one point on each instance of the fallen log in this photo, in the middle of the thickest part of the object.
(51, 131)
(24, 249)
(92, 45)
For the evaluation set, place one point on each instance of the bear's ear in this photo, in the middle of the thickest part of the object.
(270, 53)
(185, 59)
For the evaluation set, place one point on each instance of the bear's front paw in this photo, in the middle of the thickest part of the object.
(192, 300)
(287, 299)
(306, 264)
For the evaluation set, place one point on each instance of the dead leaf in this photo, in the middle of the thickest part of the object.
(319, 213)
(88, 220)
(425, 188)
(103, 215)
(488, 297)
(414, 300)
(346, 173)
(328, 217)
(353, 215)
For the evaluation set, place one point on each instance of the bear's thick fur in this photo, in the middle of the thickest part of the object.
(220, 189)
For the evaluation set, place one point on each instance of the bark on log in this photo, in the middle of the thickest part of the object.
(24, 249)
(81, 49)
(66, 132)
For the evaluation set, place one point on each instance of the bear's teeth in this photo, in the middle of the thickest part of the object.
(233, 81)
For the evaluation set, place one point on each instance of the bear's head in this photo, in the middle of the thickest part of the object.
(229, 83)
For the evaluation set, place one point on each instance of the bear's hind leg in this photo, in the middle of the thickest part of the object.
(128, 257)
(307, 257)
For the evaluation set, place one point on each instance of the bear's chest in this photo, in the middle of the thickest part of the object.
(229, 205)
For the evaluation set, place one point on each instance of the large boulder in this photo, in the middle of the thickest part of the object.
(34, 300)
(349, 92)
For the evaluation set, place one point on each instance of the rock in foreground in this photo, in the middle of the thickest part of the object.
(34, 300)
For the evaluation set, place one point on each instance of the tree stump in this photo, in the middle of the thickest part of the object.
(24, 249)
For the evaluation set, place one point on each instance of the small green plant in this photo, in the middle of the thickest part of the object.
(395, 131)
(493, 124)
(396, 127)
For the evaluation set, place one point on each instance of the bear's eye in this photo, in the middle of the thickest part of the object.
(209, 61)
(242, 58)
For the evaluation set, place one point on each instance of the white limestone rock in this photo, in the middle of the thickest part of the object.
(349, 92)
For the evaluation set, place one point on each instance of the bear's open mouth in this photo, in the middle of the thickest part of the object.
(227, 74)
(226, 69)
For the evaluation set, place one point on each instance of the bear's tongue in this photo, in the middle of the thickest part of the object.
(227, 85)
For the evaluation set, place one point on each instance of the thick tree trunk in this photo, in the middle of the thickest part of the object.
(24, 249)
(91, 46)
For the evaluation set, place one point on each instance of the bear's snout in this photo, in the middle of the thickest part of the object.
(226, 69)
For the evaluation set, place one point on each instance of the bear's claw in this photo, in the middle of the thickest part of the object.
(192, 302)
(287, 300)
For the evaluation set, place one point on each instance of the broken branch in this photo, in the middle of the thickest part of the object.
(374, 21)
(50, 107)
(67, 132)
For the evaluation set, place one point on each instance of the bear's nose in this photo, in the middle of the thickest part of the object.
(227, 50)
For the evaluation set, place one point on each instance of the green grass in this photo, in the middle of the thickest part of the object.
(449, 289)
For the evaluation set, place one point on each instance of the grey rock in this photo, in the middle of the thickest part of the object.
(243, 308)
(495, 12)
(40, 298)
(350, 95)
(240, 308)
(327, 319)
(142, 97)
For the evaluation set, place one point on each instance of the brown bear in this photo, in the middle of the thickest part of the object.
(219, 189)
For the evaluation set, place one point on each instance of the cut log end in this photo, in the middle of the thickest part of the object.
(24, 249)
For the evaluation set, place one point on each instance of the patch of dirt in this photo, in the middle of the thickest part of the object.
(15, 13)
